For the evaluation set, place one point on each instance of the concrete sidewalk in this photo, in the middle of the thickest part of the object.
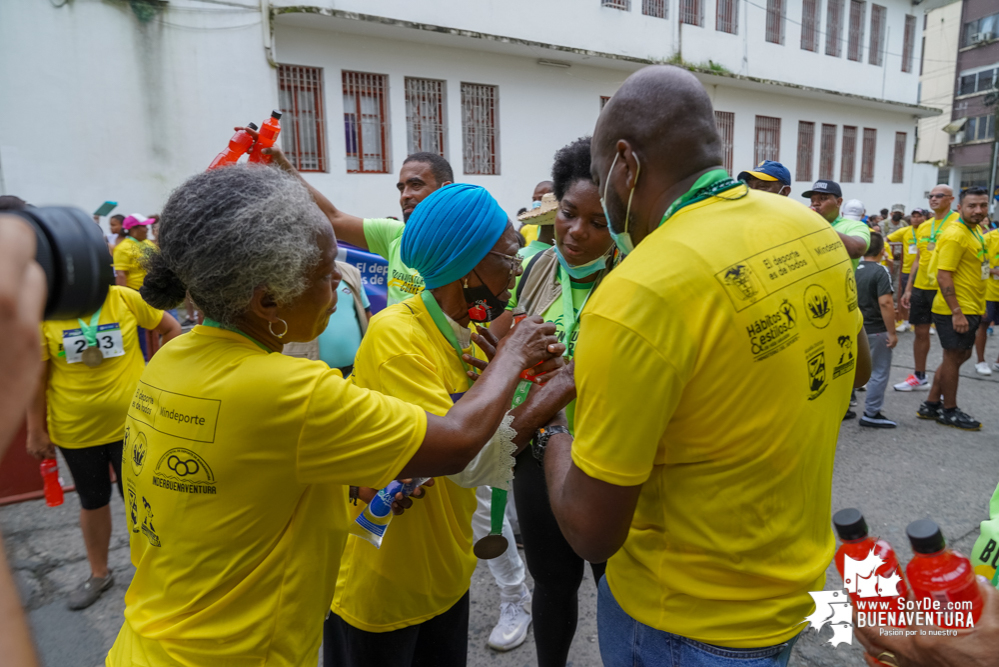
(920, 469)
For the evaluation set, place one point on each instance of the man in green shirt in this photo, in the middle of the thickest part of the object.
(826, 198)
(421, 174)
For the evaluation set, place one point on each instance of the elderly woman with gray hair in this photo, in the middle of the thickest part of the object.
(237, 460)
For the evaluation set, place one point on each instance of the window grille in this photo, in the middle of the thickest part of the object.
(806, 147)
(617, 4)
(604, 99)
(767, 144)
(303, 119)
(692, 12)
(855, 43)
(810, 10)
(725, 122)
(727, 16)
(656, 8)
(908, 42)
(898, 167)
(479, 125)
(775, 21)
(365, 120)
(849, 161)
(426, 124)
(827, 152)
(834, 28)
(879, 23)
(867, 157)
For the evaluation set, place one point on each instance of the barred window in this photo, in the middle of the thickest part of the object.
(479, 126)
(879, 23)
(898, 167)
(775, 21)
(810, 21)
(426, 124)
(908, 42)
(806, 147)
(617, 4)
(303, 120)
(692, 12)
(867, 158)
(767, 141)
(827, 153)
(834, 28)
(727, 16)
(725, 122)
(855, 43)
(849, 160)
(656, 8)
(366, 122)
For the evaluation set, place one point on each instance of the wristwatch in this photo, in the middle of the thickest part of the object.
(540, 441)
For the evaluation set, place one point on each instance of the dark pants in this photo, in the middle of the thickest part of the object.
(440, 642)
(89, 468)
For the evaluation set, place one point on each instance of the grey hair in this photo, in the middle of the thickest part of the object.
(226, 232)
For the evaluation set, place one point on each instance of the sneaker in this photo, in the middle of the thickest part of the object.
(511, 629)
(903, 327)
(877, 421)
(89, 591)
(995, 367)
(929, 410)
(853, 401)
(864, 388)
(850, 414)
(188, 322)
(954, 417)
(912, 383)
(933, 331)
(982, 368)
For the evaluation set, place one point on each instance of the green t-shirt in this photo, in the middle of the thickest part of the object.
(857, 228)
(555, 314)
(533, 248)
(384, 237)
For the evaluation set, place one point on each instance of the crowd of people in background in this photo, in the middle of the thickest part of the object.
(569, 365)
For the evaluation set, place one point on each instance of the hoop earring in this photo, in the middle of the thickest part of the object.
(270, 327)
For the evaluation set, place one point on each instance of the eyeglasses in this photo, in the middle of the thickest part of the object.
(512, 260)
(939, 196)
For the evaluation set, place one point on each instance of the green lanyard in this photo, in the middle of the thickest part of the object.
(978, 236)
(90, 332)
(708, 185)
(216, 325)
(934, 230)
(437, 315)
(569, 318)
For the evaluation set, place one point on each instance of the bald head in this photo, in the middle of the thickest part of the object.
(941, 199)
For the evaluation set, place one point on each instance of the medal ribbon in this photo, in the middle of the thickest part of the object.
(978, 236)
(437, 315)
(569, 318)
(708, 185)
(90, 331)
(216, 325)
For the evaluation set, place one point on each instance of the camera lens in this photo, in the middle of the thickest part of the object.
(75, 258)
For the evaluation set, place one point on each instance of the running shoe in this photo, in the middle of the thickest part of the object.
(933, 330)
(850, 414)
(877, 421)
(903, 327)
(511, 630)
(90, 591)
(853, 401)
(995, 366)
(929, 410)
(982, 368)
(912, 383)
(954, 417)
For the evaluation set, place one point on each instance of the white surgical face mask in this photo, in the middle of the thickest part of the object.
(623, 240)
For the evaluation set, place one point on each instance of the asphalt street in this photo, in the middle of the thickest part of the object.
(920, 469)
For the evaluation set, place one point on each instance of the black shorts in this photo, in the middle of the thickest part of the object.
(991, 313)
(903, 282)
(921, 306)
(89, 467)
(952, 340)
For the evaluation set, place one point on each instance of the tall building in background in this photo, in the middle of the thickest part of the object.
(126, 103)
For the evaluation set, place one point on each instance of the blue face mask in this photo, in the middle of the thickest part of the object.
(623, 240)
(583, 270)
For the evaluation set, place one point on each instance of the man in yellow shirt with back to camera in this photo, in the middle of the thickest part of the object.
(961, 266)
(698, 496)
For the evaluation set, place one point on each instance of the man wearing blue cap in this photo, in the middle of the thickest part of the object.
(769, 176)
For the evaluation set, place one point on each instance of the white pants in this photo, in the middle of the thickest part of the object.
(508, 568)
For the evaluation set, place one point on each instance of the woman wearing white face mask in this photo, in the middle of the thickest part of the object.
(556, 284)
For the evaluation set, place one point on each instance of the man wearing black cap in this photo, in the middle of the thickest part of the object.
(769, 176)
(826, 198)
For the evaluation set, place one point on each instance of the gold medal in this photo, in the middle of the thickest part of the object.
(490, 546)
(931, 245)
(92, 357)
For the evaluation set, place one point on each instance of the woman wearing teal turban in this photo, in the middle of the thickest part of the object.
(407, 601)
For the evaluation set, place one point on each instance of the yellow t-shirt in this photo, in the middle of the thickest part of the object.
(926, 278)
(425, 563)
(127, 257)
(907, 237)
(746, 348)
(236, 468)
(530, 233)
(962, 251)
(86, 406)
(992, 243)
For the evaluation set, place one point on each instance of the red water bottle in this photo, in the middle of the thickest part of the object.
(50, 475)
(942, 579)
(885, 582)
(239, 144)
(266, 138)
